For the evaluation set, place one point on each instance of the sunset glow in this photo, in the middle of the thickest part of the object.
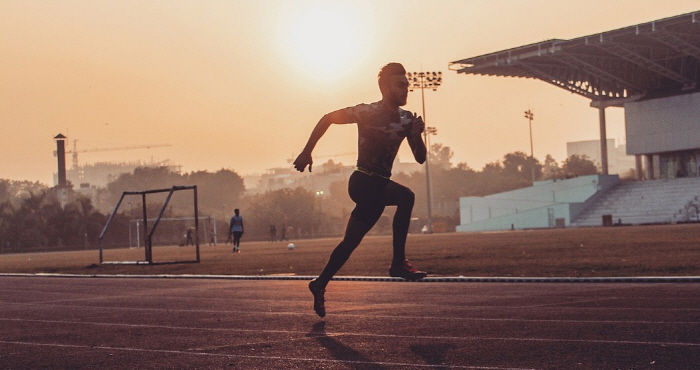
(326, 39)
(239, 84)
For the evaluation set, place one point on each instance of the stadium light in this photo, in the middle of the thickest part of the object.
(422, 81)
(530, 116)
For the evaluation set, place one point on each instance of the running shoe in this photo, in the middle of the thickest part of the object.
(406, 271)
(319, 300)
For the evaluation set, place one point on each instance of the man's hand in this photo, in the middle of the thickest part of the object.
(304, 159)
(418, 125)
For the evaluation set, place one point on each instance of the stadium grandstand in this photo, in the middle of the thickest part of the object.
(652, 71)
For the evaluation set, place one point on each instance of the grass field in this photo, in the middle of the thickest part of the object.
(659, 250)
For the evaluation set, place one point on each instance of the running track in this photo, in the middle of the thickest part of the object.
(151, 323)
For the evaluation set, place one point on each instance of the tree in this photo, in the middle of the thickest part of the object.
(15, 191)
(340, 199)
(440, 156)
(495, 179)
(213, 189)
(519, 165)
(578, 165)
(551, 169)
(5, 191)
(43, 220)
(216, 189)
(295, 208)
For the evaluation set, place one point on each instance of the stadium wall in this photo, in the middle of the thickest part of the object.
(546, 204)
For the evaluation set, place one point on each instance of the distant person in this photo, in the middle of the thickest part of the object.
(382, 126)
(283, 235)
(212, 238)
(273, 233)
(188, 235)
(236, 230)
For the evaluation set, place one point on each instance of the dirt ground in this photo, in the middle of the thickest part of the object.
(658, 250)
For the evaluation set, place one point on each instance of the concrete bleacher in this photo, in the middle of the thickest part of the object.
(645, 202)
(545, 204)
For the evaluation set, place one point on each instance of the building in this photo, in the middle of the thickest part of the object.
(651, 70)
(618, 161)
(98, 175)
(666, 133)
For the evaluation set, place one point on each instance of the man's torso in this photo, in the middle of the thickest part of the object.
(380, 134)
(237, 223)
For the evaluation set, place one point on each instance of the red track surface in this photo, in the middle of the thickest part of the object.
(93, 323)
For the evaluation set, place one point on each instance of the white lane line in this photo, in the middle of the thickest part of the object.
(357, 334)
(560, 303)
(377, 316)
(558, 306)
(378, 305)
(265, 358)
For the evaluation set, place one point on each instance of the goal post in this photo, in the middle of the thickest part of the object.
(149, 232)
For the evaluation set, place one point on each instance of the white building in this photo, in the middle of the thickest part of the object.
(618, 161)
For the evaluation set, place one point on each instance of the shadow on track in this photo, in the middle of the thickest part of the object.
(341, 352)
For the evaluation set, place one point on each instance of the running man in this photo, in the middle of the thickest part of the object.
(382, 127)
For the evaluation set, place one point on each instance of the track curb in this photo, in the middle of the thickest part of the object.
(446, 279)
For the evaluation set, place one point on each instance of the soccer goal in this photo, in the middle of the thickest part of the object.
(174, 231)
(148, 226)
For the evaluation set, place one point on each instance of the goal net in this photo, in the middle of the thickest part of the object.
(163, 219)
(174, 231)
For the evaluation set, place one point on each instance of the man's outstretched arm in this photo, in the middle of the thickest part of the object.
(416, 142)
(304, 159)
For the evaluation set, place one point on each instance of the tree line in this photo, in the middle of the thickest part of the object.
(36, 217)
(33, 218)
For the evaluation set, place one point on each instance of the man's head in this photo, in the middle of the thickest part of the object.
(236, 211)
(393, 84)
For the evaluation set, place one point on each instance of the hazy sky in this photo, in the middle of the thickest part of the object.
(240, 84)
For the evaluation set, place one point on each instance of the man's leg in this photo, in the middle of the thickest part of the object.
(355, 231)
(366, 192)
(403, 198)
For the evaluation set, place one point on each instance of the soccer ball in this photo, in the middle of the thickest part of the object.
(290, 246)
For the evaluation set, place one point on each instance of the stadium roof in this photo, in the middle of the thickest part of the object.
(657, 58)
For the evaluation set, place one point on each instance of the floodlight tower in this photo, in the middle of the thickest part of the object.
(530, 116)
(422, 81)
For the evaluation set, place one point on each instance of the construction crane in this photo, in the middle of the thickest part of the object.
(75, 150)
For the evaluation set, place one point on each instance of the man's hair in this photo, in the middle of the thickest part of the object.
(390, 69)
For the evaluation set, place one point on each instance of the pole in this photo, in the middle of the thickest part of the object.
(530, 116)
(427, 159)
(603, 141)
(532, 154)
(196, 222)
(423, 80)
(146, 240)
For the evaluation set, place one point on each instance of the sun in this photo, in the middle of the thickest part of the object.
(327, 39)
